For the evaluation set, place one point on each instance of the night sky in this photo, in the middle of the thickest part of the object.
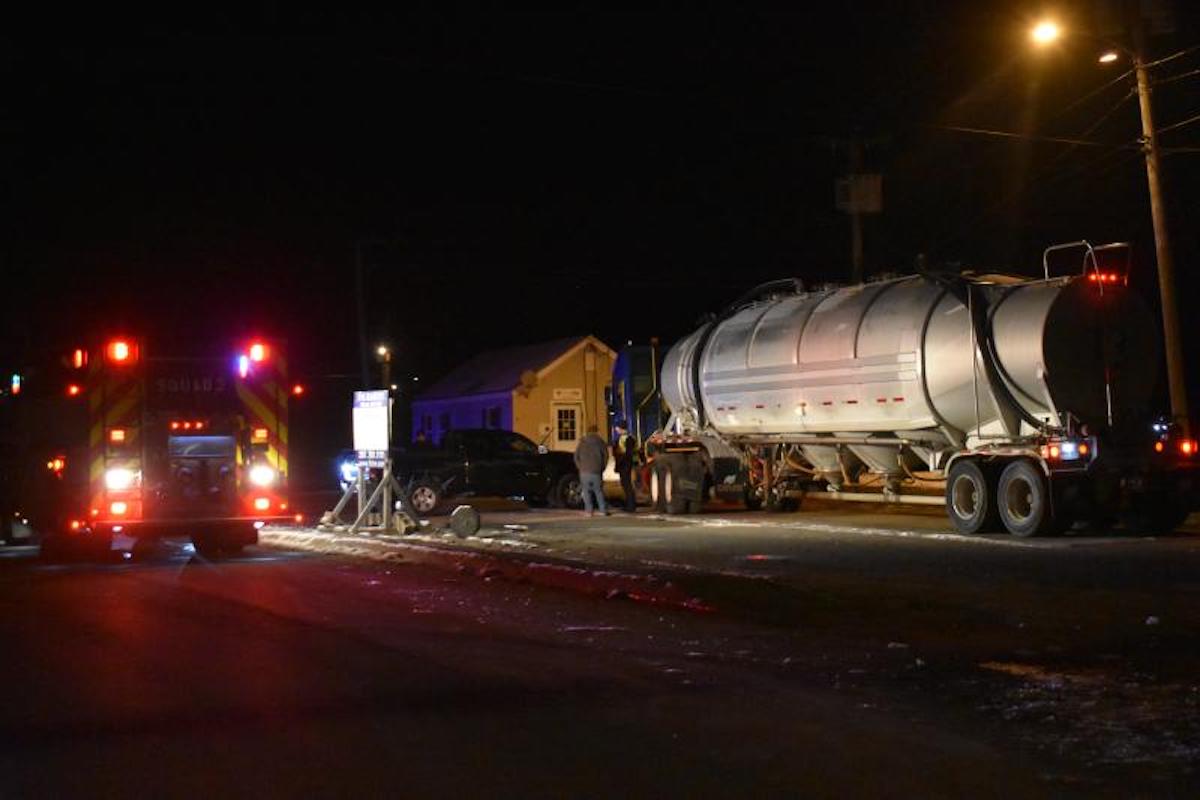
(510, 178)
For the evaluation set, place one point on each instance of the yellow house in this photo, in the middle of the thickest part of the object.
(549, 392)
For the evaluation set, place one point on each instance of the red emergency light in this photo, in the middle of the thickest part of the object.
(79, 358)
(116, 435)
(1104, 277)
(298, 389)
(259, 435)
(74, 390)
(258, 352)
(1187, 446)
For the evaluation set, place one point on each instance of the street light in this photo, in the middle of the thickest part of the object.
(1046, 32)
(383, 354)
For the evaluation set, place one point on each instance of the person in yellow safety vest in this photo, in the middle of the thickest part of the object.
(627, 457)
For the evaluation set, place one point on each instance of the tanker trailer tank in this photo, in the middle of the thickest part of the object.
(930, 389)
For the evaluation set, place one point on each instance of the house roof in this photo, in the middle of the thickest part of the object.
(500, 370)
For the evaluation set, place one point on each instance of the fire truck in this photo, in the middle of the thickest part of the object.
(116, 437)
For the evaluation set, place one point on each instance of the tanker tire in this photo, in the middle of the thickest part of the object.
(657, 498)
(1023, 497)
(751, 498)
(971, 498)
(672, 501)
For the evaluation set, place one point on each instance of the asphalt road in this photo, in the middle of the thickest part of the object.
(848, 653)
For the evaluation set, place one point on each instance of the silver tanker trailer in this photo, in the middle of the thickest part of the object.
(1017, 403)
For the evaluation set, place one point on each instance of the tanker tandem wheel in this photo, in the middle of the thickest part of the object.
(677, 483)
(1012, 495)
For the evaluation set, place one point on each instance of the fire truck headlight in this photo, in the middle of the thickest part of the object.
(119, 479)
(262, 475)
(349, 472)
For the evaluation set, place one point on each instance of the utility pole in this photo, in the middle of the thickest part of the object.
(361, 302)
(857, 194)
(856, 233)
(1173, 344)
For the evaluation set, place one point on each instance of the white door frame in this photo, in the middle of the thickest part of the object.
(567, 445)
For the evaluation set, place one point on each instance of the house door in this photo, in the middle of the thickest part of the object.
(567, 419)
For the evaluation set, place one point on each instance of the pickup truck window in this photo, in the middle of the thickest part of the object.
(518, 443)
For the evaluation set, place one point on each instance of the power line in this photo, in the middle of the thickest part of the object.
(1126, 74)
(1179, 77)
(1187, 121)
(1028, 137)
(1174, 56)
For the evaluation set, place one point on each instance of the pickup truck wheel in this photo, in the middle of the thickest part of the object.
(567, 492)
(425, 497)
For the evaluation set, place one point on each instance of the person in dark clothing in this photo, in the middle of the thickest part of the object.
(591, 456)
(626, 457)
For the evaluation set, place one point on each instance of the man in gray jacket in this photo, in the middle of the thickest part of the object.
(591, 456)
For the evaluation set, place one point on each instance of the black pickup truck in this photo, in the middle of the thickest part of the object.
(486, 462)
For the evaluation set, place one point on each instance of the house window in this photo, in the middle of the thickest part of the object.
(566, 420)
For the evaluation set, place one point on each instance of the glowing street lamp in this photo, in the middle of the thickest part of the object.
(383, 354)
(1046, 32)
(1043, 34)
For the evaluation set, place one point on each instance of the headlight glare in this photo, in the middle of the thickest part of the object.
(119, 478)
(262, 475)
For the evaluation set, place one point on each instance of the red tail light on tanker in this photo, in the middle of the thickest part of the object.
(121, 351)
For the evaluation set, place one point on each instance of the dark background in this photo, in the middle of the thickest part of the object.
(511, 178)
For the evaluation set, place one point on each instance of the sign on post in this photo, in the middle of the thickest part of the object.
(372, 420)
